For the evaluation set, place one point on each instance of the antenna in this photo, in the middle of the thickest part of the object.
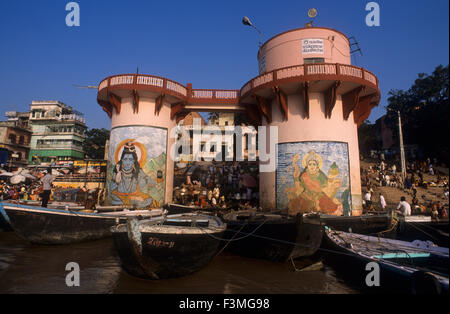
(85, 86)
(312, 13)
(355, 43)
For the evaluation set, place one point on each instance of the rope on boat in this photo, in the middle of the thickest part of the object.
(229, 240)
(224, 247)
(278, 240)
(394, 225)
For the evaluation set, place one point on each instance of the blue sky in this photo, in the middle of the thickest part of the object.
(200, 42)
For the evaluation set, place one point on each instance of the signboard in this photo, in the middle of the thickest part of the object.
(82, 163)
(312, 46)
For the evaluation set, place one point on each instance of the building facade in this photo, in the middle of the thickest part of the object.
(307, 91)
(15, 136)
(58, 132)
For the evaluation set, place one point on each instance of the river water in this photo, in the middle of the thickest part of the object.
(26, 268)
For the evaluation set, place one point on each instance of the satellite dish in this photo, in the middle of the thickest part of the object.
(312, 13)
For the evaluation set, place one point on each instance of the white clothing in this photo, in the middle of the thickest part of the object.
(405, 208)
(383, 202)
(47, 181)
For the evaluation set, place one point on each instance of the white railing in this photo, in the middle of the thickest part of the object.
(202, 93)
(290, 72)
(263, 79)
(370, 77)
(176, 88)
(350, 71)
(225, 94)
(123, 79)
(246, 88)
(309, 69)
(103, 84)
(150, 81)
(321, 69)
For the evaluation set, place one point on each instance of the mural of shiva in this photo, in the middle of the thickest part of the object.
(136, 167)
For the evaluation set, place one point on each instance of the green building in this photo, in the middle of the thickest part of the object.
(58, 132)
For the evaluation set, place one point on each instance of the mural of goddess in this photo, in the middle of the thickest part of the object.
(313, 189)
(129, 184)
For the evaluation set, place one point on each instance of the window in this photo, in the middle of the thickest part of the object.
(12, 138)
(313, 60)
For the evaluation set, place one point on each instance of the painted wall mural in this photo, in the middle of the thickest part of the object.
(136, 173)
(314, 176)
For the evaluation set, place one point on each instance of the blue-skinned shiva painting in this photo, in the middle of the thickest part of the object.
(313, 177)
(137, 167)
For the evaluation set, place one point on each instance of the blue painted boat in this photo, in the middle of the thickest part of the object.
(405, 267)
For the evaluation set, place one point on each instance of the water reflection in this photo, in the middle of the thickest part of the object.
(26, 268)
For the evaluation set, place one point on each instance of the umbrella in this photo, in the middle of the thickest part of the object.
(16, 179)
(248, 180)
(28, 176)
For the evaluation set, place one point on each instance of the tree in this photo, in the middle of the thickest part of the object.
(368, 138)
(94, 145)
(424, 112)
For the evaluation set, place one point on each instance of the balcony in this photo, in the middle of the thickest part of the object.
(59, 146)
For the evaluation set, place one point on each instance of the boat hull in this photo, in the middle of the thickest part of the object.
(275, 240)
(406, 278)
(434, 231)
(4, 220)
(166, 255)
(48, 226)
(366, 224)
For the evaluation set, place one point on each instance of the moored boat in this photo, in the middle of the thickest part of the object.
(174, 209)
(273, 237)
(365, 224)
(405, 267)
(421, 227)
(169, 247)
(4, 220)
(40, 225)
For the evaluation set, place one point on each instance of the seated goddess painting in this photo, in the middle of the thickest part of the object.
(313, 190)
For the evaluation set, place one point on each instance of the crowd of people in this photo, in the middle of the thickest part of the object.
(221, 185)
(42, 191)
(383, 174)
(23, 191)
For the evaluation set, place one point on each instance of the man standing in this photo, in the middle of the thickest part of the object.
(404, 207)
(368, 200)
(382, 202)
(47, 187)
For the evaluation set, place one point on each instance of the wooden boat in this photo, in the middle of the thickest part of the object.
(174, 209)
(405, 267)
(4, 220)
(273, 237)
(421, 227)
(40, 225)
(169, 247)
(364, 224)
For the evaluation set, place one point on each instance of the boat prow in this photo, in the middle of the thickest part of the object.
(175, 246)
